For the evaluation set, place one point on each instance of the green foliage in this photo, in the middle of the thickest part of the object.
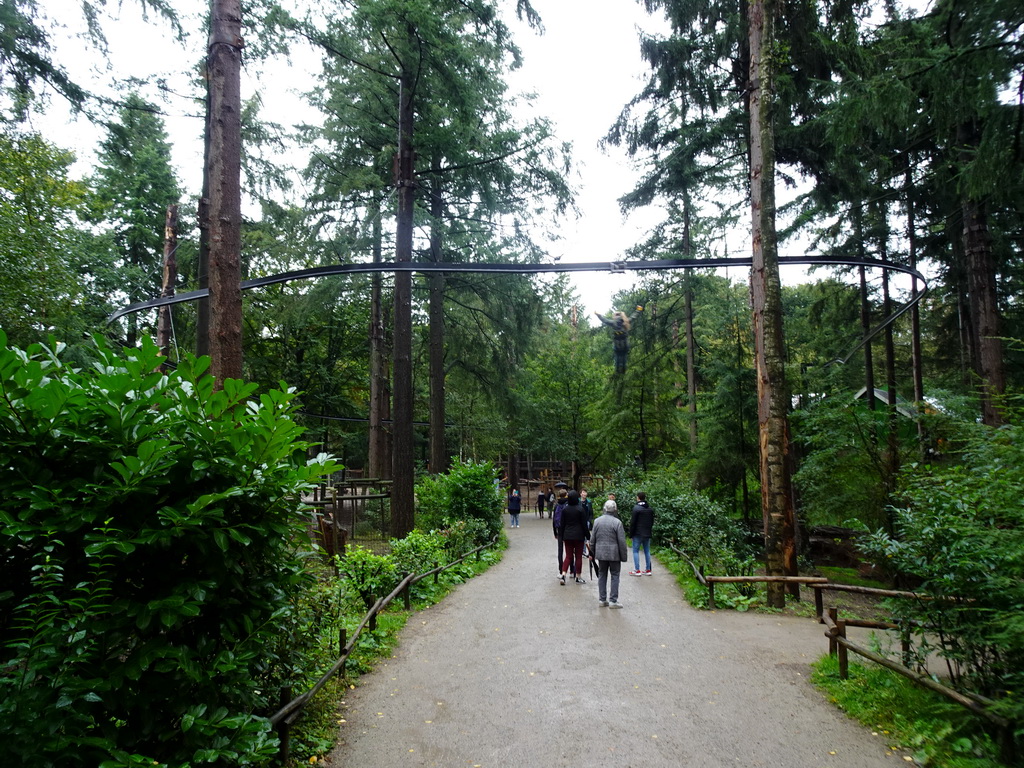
(938, 732)
(369, 575)
(467, 492)
(842, 476)
(697, 525)
(418, 552)
(148, 556)
(43, 255)
(959, 535)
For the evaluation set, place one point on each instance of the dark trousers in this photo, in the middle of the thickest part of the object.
(561, 557)
(573, 556)
(604, 567)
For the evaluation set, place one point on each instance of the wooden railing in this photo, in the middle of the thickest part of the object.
(840, 645)
(283, 719)
(710, 581)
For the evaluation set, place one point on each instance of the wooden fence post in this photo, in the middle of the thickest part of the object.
(284, 729)
(844, 655)
(406, 597)
(905, 645)
(342, 641)
(819, 602)
(711, 595)
(833, 614)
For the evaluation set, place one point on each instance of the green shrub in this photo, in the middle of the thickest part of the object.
(467, 492)
(960, 538)
(696, 524)
(418, 552)
(367, 574)
(148, 556)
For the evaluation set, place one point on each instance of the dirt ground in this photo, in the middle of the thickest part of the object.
(514, 669)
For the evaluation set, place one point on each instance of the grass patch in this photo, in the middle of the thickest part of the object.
(316, 731)
(850, 576)
(937, 732)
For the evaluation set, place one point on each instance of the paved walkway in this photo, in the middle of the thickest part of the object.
(514, 670)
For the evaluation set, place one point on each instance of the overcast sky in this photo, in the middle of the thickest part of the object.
(584, 69)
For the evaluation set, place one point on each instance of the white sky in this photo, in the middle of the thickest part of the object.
(583, 70)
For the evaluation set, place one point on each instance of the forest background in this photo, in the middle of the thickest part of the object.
(899, 131)
(884, 157)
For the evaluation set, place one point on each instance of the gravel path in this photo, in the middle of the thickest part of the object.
(512, 669)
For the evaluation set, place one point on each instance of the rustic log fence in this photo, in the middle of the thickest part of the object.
(710, 581)
(290, 710)
(840, 646)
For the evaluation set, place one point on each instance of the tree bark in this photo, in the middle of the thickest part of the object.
(438, 448)
(164, 327)
(402, 473)
(981, 281)
(766, 295)
(378, 452)
(917, 364)
(691, 369)
(224, 158)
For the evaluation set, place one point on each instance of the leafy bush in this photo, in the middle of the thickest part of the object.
(696, 524)
(467, 492)
(147, 558)
(369, 575)
(418, 552)
(841, 477)
(960, 536)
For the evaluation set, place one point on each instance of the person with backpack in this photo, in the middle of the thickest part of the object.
(573, 531)
(556, 521)
(608, 543)
(640, 528)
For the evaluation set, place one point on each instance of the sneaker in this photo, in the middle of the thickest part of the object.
(603, 603)
(561, 580)
(636, 573)
(615, 605)
(581, 581)
(647, 572)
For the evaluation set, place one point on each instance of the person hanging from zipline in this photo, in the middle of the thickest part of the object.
(620, 324)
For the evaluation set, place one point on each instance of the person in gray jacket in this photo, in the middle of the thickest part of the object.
(608, 539)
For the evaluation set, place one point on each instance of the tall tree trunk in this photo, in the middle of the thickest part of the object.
(402, 499)
(766, 294)
(224, 135)
(892, 454)
(981, 282)
(164, 325)
(917, 366)
(438, 448)
(865, 308)
(691, 368)
(379, 455)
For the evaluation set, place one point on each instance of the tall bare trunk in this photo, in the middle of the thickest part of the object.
(766, 294)
(981, 281)
(691, 369)
(915, 318)
(402, 500)
(438, 448)
(379, 454)
(224, 135)
(164, 327)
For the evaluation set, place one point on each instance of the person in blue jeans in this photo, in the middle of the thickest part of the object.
(640, 528)
(515, 504)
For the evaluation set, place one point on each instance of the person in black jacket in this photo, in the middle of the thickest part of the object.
(572, 530)
(640, 528)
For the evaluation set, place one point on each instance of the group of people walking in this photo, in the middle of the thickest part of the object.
(574, 528)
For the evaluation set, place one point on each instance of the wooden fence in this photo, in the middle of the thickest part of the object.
(840, 645)
(283, 719)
